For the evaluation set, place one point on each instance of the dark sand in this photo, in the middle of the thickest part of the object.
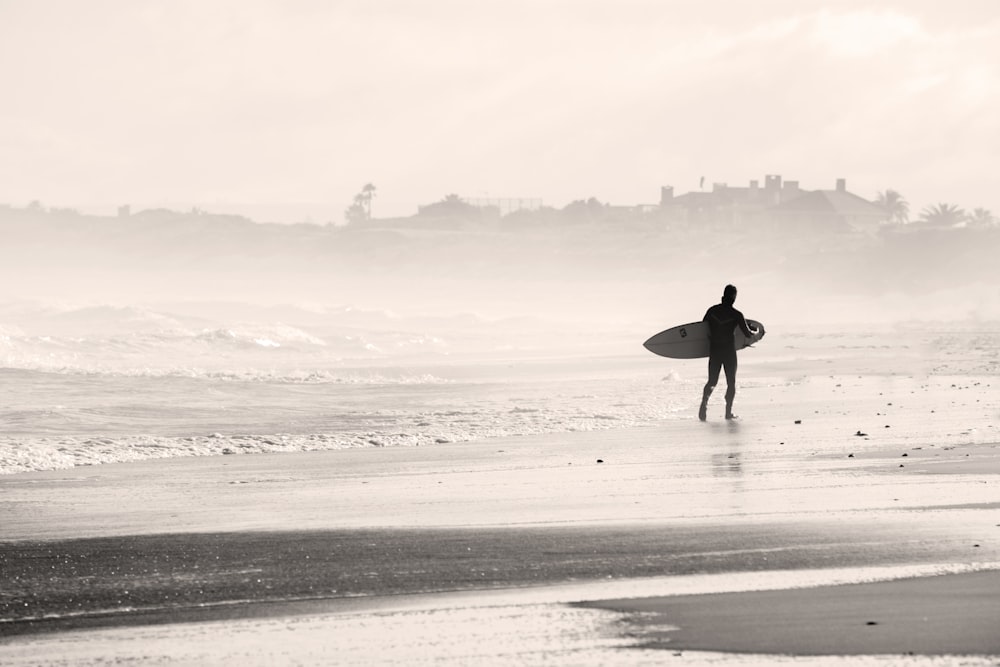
(163, 578)
(955, 614)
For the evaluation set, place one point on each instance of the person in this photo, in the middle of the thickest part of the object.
(722, 320)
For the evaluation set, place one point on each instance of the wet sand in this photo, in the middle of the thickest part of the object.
(943, 615)
(822, 473)
(105, 582)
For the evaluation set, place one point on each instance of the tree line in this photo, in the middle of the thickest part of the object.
(897, 211)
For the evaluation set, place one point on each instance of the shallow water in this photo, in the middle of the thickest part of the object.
(54, 420)
(103, 385)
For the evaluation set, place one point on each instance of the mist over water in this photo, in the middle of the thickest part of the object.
(189, 273)
(133, 338)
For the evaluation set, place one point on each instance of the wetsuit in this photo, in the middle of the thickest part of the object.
(722, 320)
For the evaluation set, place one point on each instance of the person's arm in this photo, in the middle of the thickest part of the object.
(745, 327)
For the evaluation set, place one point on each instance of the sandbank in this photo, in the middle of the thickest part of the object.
(941, 615)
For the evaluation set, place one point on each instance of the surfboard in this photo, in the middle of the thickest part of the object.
(690, 341)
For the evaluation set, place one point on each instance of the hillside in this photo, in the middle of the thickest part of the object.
(591, 271)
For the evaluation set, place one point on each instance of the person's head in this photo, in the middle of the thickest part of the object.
(729, 294)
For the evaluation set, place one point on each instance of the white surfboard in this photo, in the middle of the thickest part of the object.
(690, 341)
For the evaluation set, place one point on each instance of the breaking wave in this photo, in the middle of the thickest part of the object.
(397, 430)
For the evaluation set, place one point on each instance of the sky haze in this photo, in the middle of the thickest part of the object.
(291, 107)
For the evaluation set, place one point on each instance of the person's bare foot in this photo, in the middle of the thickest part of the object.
(703, 412)
(731, 416)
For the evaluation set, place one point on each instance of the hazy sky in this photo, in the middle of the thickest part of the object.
(230, 102)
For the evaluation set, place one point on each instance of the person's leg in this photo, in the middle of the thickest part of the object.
(714, 366)
(730, 366)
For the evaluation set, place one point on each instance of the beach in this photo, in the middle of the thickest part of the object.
(852, 513)
(377, 333)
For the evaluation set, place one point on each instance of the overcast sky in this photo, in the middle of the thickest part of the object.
(232, 102)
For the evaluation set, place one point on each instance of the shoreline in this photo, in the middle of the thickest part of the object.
(781, 391)
(291, 553)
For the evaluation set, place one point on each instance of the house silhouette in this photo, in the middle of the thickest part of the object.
(777, 205)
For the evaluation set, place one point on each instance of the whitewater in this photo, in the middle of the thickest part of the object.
(86, 386)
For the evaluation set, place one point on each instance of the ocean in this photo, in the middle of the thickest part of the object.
(92, 385)
(86, 385)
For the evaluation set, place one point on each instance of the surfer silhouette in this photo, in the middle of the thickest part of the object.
(722, 320)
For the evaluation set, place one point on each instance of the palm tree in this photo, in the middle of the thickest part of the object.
(367, 194)
(896, 208)
(942, 215)
(981, 217)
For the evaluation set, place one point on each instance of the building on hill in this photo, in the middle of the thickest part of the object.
(726, 204)
(831, 210)
(777, 203)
